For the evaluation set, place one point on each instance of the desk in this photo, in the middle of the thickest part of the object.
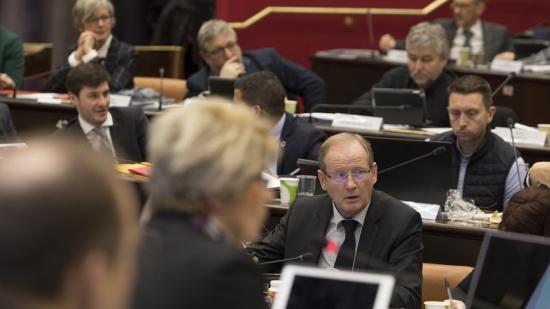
(456, 243)
(347, 79)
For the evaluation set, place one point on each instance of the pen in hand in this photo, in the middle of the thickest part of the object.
(448, 288)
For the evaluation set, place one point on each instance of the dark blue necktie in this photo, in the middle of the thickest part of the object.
(346, 254)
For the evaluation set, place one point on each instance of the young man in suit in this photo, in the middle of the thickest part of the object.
(297, 139)
(224, 58)
(372, 230)
(118, 131)
(69, 230)
(468, 30)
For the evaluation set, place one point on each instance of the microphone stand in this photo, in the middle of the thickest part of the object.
(510, 122)
(161, 73)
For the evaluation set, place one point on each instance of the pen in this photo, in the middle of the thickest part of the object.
(448, 288)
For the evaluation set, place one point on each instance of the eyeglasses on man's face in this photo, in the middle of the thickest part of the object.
(220, 50)
(102, 18)
(342, 177)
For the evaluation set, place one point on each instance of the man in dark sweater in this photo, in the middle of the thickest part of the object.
(487, 172)
(427, 51)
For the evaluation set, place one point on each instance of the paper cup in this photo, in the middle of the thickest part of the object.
(290, 106)
(289, 190)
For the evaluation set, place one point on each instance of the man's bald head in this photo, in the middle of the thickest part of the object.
(58, 203)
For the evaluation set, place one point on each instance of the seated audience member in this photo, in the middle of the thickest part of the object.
(297, 139)
(373, 230)
(12, 59)
(427, 52)
(118, 131)
(68, 230)
(7, 129)
(539, 175)
(542, 57)
(94, 19)
(223, 56)
(487, 173)
(207, 197)
(528, 212)
(468, 30)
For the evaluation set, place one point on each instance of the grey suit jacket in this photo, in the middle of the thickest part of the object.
(391, 240)
(496, 38)
(128, 133)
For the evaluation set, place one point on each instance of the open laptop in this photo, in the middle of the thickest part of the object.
(222, 87)
(305, 287)
(400, 106)
(508, 270)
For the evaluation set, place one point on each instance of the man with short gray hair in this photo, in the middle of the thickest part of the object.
(428, 53)
(221, 52)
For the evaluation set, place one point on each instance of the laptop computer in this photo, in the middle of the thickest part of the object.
(222, 87)
(400, 106)
(508, 270)
(305, 287)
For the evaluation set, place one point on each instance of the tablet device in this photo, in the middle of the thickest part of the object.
(400, 106)
(304, 287)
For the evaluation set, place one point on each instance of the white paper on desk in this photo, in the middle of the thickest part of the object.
(358, 122)
(427, 211)
(272, 181)
(522, 135)
(118, 100)
(436, 130)
(320, 116)
(536, 68)
(396, 55)
(42, 97)
(506, 66)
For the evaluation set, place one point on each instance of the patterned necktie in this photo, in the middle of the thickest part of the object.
(468, 38)
(346, 254)
(104, 144)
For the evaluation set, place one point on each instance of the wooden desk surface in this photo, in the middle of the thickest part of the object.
(346, 79)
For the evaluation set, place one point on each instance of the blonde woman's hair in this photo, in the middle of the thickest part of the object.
(207, 149)
(83, 10)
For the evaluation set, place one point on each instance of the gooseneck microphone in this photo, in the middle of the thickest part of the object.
(506, 80)
(511, 124)
(161, 92)
(434, 153)
(308, 256)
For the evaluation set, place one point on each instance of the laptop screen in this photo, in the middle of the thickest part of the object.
(400, 106)
(314, 288)
(508, 270)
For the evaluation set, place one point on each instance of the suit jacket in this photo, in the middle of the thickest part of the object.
(299, 140)
(128, 133)
(296, 79)
(12, 58)
(119, 63)
(181, 267)
(496, 38)
(7, 129)
(391, 239)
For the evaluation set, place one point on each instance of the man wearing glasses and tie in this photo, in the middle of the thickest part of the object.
(221, 52)
(363, 229)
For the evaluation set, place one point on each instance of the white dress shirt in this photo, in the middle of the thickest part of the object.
(94, 138)
(476, 41)
(276, 131)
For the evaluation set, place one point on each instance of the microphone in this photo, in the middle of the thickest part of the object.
(161, 73)
(436, 152)
(308, 256)
(510, 123)
(506, 80)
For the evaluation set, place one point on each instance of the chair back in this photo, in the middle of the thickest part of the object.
(171, 87)
(150, 58)
(433, 286)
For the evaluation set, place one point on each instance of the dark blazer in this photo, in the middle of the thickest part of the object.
(119, 63)
(391, 239)
(7, 129)
(496, 38)
(180, 267)
(296, 79)
(12, 58)
(299, 140)
(129, 133)
(437, 97)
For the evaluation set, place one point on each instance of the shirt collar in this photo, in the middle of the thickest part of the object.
(475, 29)
(102, 51)
(87, 127)
(360, 217)
(277, 130)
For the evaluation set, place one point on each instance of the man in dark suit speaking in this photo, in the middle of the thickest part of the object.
(120, 132)
(221, 52)
(297, 139)
(467, 29)
(372, 230)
